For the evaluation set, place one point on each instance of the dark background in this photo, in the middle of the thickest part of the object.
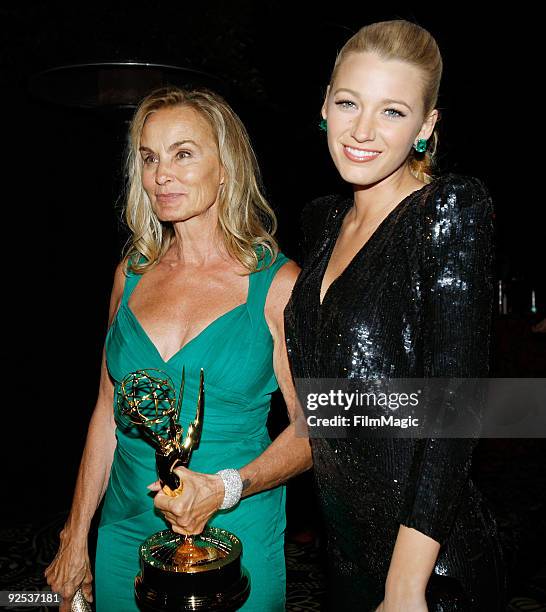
(63, 177)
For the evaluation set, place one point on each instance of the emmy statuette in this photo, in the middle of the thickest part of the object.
(200, 572)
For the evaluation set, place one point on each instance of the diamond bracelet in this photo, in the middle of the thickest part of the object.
(233, 487)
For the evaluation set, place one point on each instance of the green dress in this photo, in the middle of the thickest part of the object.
(236, 353)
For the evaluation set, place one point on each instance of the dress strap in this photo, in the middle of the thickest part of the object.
(259, 284)
(131, 280)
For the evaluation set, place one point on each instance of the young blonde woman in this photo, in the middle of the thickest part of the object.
(397, 284)
(203, 286)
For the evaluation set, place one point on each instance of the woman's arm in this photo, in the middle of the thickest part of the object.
(288, 455)
(71, 567)
(457, 301)
(412, 562)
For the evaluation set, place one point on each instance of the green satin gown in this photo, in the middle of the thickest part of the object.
(236, 352)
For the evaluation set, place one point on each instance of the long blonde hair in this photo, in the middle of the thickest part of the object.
(408, 42)
(246, 221)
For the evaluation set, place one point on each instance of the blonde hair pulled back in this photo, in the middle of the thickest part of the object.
(408, 42)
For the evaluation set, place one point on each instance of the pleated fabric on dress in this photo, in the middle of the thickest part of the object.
(236, 353)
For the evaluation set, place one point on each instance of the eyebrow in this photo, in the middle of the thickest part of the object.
(386, 101)
(174, 145)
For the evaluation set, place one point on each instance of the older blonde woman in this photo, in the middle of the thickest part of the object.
(202, 286)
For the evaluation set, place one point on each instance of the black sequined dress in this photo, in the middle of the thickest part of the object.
(414, 302)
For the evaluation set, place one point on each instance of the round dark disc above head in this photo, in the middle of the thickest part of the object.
(115, 85)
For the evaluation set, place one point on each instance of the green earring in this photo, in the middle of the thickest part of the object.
(421, 145)
(323, 125)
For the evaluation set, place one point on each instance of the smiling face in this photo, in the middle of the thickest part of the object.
(374, 110)
(181, 171)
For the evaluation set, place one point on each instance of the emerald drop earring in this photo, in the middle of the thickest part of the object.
(323, 125)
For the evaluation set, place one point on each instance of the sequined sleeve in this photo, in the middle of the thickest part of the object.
(457, 301)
